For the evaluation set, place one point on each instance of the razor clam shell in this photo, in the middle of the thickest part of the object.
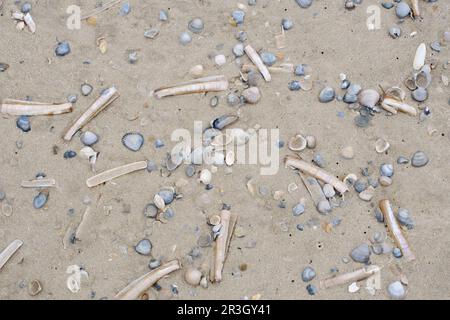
(224, 121)
(106, 98)
(419, 58)
(6, 254)
(314, 189)
(30, 23)
(316, 172)
(354, 276)
(206, 84)
(391, 103)
(115, 173)
(38, 183)
(142, 284)
(256, 59)
(31, 108)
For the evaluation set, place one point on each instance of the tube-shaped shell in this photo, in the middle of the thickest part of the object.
(395, 230)
(415, 8)
(30, 23)
(31, 108)
(353, 276)
(206, 84)
(142, 284)
(115, 173)
(38, 183)
(105, 99)
(256, 59)
(316, 172)
(6, 254)
(419, 58)
(394, 104)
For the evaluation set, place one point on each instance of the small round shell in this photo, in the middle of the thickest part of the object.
(381, 145)
(196, 71)
(297, 143)
(193, 276)
(205, 176)
(368, 98)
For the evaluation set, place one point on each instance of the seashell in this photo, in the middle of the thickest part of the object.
(205, 176)
(310, 141)
(297, 143)
(326, 95)
(308, 274)
(350, 179)
(348, 152)
(196, 25)
(328, 190)
(323, 206)
(381, 145)
(173, 161)
(367, 194)
(368, 98)
(151, 33)
(144, 247)
(230, 158)
(224, 121)
(436, 46)
(419, 159)
(420, 94)
(353, 287)
(23, 123)
(256, 59)
(41, 199)
(3, 66)
(86, 89)
(159, 202)
(88, 138)
(34, 288)
(87, 153)
(419, 58)
(200, 85)
(220, 60)
(292, 187)
(196, 71)
(185, 38)
(361, 253)
(410, 83)
(30, 22)
(423, 77)
(251, 95)
(214, 220)
(385, 181)
(387, 169)
(402, 10)
(74, 280)
(133, 141)
(150, 210)
(306, 83)
(396, 290)
(395, 32)
(304, 3)
(62, 49)
(7, 209)
(193, 276)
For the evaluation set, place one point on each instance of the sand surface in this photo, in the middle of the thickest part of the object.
(327, 37)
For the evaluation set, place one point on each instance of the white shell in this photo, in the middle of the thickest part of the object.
(220, 60)
(310, 141)
(159, 202)
(230, 158)
(196, 71)
(353, 288)
(297, 143)
(74, 280)
(193, 276)
(87, 153)
(381, 145)
(368, 98)
(419, 58)
(205, 176)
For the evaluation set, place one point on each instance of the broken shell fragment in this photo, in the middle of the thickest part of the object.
(256, 59)
(34, 288)
(310, 141)
(381, 145)
(224, 121)
(423, 77)
(297, 143)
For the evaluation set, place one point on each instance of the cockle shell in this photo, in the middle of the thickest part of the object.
(368, 98)
(419, 58)
(297, 143)
(205, 176)
(381, 145)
